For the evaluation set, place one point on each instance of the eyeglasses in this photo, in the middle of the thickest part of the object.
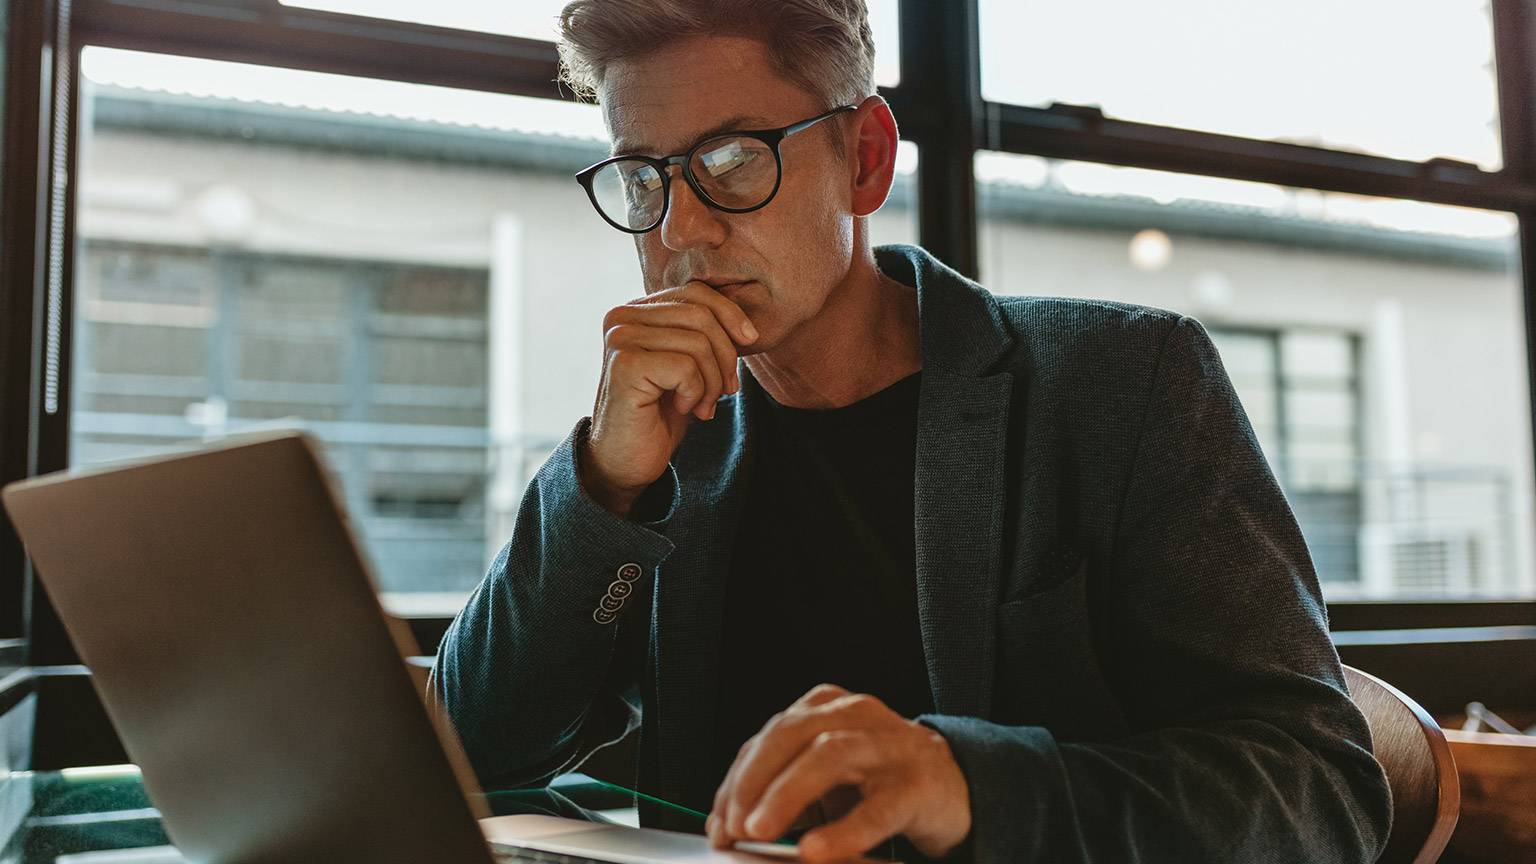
(732, 172)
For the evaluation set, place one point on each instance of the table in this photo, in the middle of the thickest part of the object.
(103, 816)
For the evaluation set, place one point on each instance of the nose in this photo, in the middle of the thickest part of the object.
(689, 223)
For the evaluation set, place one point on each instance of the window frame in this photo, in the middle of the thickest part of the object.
(937, 102)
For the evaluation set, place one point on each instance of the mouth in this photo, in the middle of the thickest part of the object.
(725, 287)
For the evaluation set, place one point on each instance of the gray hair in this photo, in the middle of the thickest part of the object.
(823, 47)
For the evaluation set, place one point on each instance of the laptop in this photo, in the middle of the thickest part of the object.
(236, 640)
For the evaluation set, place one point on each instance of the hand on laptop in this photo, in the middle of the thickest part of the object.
(831, 740)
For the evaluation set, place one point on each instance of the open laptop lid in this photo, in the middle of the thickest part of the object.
(238, 645)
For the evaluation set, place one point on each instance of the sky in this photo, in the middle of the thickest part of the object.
(1409, 79)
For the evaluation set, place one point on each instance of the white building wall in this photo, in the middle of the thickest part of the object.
(1468, 401)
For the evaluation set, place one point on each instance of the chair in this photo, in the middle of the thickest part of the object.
(1426, 794)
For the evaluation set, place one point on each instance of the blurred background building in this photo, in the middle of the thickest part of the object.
(424, 294)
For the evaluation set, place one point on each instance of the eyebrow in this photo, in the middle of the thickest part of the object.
(739, 123)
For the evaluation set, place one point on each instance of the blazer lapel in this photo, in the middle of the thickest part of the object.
(961, 438)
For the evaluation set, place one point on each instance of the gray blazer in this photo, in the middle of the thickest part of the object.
(1125, 638)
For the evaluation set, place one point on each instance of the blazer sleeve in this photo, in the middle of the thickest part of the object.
(531, 676)
(1244, 745)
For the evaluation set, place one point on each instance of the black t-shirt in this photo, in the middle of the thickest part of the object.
(823, 579)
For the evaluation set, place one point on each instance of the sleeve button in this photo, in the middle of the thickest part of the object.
(610, 603)
(629, 573)
(603, 616)
(620, 590)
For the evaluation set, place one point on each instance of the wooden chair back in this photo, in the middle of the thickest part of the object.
(1426, 795)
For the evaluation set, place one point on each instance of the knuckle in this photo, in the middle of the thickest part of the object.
(699, 344)
(863, 702)
(680, 365)
(615, 316)
(830, 742)
(618, 335)
(700, 316)
(779, 724)
(620, 363)
(633, 363)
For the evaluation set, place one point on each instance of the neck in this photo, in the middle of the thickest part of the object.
(862, 341)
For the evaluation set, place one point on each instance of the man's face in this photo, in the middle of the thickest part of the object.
(779, 263)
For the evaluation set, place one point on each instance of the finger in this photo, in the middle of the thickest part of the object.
(833, 759)
(731, 316)
(682, 314)
(647, 376)
(821, 694)
(719, 809)
(785, 736)
(677, 341)
(876, 819)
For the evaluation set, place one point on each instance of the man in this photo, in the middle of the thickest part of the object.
(1056, 604)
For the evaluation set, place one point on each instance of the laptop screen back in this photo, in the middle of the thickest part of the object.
(238, 646)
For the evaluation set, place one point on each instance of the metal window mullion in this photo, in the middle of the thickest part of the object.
(22, 201)
(1069, 132)
(270, 34)
(1514, 35)
(1528, 296)
(49, 644)
(1515, 67)
(940, 109)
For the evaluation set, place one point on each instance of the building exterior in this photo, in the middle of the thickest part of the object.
(426, 299)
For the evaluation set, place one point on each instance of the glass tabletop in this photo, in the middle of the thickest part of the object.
(103, 816)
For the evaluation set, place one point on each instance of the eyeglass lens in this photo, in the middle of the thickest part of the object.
(733, 172)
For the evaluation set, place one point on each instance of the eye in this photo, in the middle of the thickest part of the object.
(645, 177)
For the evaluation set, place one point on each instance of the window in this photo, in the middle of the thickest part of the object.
(421, 294)
(384, 363)
(1407, 80)
(1376, 346)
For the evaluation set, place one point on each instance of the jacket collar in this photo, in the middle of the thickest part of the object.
(961, 328)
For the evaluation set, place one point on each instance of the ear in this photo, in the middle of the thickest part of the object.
(874, 155)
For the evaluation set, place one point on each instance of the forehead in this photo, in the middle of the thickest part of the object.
(662, 102)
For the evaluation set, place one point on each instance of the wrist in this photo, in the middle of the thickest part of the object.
(615, 498)
(952, 799)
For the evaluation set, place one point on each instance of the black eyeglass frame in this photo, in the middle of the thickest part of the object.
(771, 137)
